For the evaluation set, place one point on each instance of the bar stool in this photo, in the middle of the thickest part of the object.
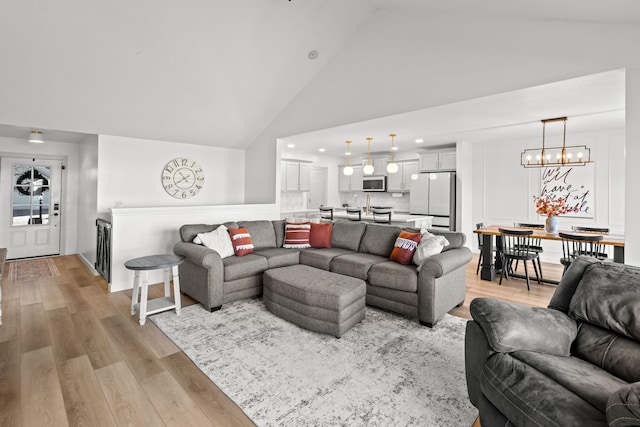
(326, 213)
(169, 263)
(381, 216)
(354, 214)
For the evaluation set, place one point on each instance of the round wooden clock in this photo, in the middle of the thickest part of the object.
(182, 178)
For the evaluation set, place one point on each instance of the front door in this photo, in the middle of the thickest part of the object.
(30, 212)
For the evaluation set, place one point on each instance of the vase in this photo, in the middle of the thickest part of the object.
(552, 224)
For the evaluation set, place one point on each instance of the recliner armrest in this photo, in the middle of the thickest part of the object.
(440, 264)
(623, 406)
(511, 327)
(198, 254)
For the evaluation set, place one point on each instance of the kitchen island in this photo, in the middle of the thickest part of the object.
(402, 219)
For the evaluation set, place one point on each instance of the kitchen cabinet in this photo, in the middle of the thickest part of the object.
(295, 176)
(438, 161)
(350, 183)
(401, 180)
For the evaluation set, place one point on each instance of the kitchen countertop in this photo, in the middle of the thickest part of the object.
(340, 213)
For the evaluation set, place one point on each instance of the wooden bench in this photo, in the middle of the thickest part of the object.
(3, 256)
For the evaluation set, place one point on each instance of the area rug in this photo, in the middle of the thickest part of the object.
(30, 269)
(386, 371)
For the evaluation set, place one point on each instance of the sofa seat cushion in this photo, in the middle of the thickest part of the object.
(576, 375)
(236, 267)
(393, 275)
(356, 264)
(321, 258)
(279, 257)
(528, 397)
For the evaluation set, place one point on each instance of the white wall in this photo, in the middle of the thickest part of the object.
(69, 154)
(87, 200)
(632, 171)
(129, 173)
(503, 190)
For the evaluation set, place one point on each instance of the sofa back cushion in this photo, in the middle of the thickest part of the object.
(379, 239)
(262, 233)
(278, 228)
(347, 234)
(188, 232)
(614, 353)
(608, 295)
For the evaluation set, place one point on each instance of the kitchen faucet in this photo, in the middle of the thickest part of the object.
(367, 205)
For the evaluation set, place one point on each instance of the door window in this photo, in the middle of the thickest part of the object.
(31, 195)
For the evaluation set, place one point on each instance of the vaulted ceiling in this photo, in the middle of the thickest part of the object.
(220, 73)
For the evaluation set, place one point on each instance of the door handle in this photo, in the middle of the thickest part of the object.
(56, 214)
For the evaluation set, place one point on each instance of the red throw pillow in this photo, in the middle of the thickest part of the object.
(296, 235)
(405, 246)
(241, 241)
(320, 236)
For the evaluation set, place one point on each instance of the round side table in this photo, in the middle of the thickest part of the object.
(169, 263)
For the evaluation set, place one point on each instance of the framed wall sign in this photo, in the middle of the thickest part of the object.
(575, 184)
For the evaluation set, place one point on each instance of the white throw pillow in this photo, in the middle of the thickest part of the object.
(430, 245)
(218, 240)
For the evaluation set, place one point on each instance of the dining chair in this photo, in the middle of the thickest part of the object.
(479, 226)
(516, 245)
(575, 245)
(600, 230)
(381, 216)
(536, 242)
(326, 213)
(354, 214)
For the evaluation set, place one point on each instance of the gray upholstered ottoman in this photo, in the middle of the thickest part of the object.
(315, 299)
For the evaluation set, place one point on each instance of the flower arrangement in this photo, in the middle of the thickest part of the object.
(545, 205)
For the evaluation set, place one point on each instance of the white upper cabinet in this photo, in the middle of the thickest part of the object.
(438, 161)
(295, 176)
(352, 182)
(401, 180)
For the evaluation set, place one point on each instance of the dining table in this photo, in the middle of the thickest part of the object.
(490, 265)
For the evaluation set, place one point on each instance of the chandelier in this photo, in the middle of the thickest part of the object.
(348, 170)
(574, 155)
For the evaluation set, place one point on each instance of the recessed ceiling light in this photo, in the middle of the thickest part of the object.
(313, 54)
(322, 150)
(419, 141)
(291, 145)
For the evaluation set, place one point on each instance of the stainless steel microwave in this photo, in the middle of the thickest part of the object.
(374, 183)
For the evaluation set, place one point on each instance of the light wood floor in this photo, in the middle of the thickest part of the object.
(72, 354)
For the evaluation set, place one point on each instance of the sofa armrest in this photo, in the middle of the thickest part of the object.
(440, 264)
(198, 254)
(511, 327)
(623, 406)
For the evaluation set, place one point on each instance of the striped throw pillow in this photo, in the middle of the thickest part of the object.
(296, 235)
(241, 240)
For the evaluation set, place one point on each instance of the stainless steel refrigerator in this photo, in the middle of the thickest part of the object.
(434, 194)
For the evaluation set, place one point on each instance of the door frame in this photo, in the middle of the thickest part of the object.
(64, 202)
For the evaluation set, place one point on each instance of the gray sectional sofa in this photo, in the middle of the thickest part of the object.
(358, 249)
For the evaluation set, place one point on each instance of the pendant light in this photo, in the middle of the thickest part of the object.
(348, 170)
(392, 167)
(368, 169)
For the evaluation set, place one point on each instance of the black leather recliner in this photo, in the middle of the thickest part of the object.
(575, 363)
